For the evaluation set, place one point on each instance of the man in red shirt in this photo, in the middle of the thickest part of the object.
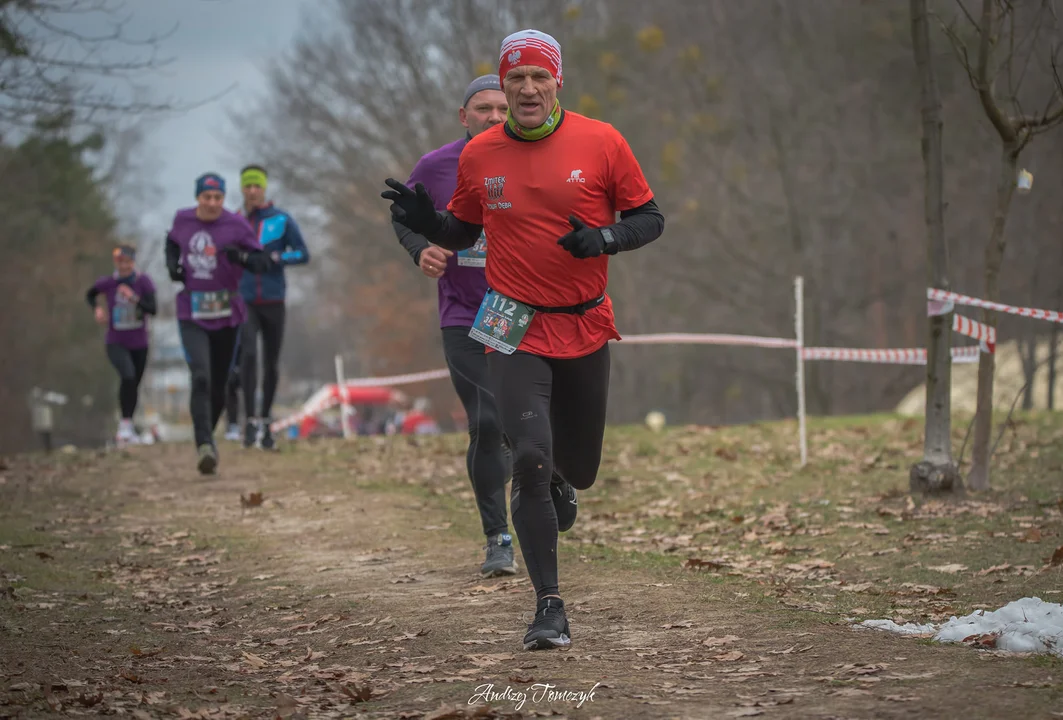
(545, 187)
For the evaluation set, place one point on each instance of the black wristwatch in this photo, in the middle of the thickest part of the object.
(610, 241)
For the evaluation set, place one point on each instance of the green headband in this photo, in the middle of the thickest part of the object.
(253, 176)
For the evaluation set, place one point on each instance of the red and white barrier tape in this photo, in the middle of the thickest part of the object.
(1036, 313)
(407, 379)
(327, 397)
(708, 339)
(981, 332)
(895, 356)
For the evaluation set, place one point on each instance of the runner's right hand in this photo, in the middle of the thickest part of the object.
(101, 316)
(433, 261)
(412, 208)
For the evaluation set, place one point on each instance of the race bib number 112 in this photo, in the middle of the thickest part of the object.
(501, 323)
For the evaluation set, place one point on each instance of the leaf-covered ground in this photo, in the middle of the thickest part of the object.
(706, 577)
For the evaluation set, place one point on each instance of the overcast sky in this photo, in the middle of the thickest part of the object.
(218, 43)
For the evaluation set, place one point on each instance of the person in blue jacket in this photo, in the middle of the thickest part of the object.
(264, 295)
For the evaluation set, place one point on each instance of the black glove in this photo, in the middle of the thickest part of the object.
(583, 242)
(235, 255)
(412, 208)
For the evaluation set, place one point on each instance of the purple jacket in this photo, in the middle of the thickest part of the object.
(127, 323)
(210, 296)
(463, 285)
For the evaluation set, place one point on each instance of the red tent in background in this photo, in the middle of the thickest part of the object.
(369, 395)
(355, 396)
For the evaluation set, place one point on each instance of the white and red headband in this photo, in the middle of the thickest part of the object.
(530, 47)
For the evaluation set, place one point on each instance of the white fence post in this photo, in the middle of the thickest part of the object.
(799, 328)
(345, 409)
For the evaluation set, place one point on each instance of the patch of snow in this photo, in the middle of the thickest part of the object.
(1029, 625)
(906, 629)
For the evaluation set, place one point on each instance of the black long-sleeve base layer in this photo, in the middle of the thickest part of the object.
(637, 227)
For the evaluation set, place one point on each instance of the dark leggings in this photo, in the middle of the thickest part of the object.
(266, 319)
(209, 354)
(553, 414)
(232, 388)
(486, 460)
(130, 365)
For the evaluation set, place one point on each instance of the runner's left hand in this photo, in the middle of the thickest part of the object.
(583, 242)
(235, 255)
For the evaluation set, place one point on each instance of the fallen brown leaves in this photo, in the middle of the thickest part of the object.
(255, 499)
(718, 641)
(464, 712)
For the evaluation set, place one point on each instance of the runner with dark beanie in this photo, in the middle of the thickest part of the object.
(207, 249)
(130, 297)
(462, 284)
(545, 187)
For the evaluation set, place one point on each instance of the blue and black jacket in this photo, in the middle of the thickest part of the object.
(279, 234)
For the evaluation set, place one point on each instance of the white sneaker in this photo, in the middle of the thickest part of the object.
(233, 433)
(127, 435)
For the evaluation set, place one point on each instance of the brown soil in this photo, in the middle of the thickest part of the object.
(135, 587)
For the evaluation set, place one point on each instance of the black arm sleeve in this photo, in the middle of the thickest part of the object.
(637, 227)
(415, 244)
(147, 303)
(173, 261)
(455, 234)
(91, 296)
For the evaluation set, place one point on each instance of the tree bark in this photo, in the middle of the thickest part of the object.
(936, 472)
(1028, 351)
(978, 478)
(1053, 339)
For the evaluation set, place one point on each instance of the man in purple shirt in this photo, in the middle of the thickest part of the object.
(130, 298)
(207, 250)
(462, 285)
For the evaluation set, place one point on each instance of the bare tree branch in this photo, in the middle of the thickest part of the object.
(985, 86)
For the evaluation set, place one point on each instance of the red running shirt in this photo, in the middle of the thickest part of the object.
(522, 193)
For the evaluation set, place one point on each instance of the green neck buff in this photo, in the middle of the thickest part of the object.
(536, 133)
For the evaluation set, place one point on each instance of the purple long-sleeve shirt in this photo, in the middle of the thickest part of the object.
(127, 324)
(464, 283)
(211, 296)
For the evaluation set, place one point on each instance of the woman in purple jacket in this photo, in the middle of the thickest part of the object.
(207, 250)
(130, 297)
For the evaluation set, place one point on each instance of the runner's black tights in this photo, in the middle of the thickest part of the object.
(553, 414)
(486, 459)
(267, 320)
(209, 354)
(130, 365)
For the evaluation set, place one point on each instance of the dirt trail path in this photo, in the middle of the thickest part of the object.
(141, 589)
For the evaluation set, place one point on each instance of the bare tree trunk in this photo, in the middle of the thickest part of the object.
(1053, 339)
(1028, 353)
(936, 472)
(978, 478)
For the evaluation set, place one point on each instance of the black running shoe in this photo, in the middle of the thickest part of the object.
(499, 559)
(265, 436)
(250, 434)
(208, 459)
(550, 629)
(565, 502)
